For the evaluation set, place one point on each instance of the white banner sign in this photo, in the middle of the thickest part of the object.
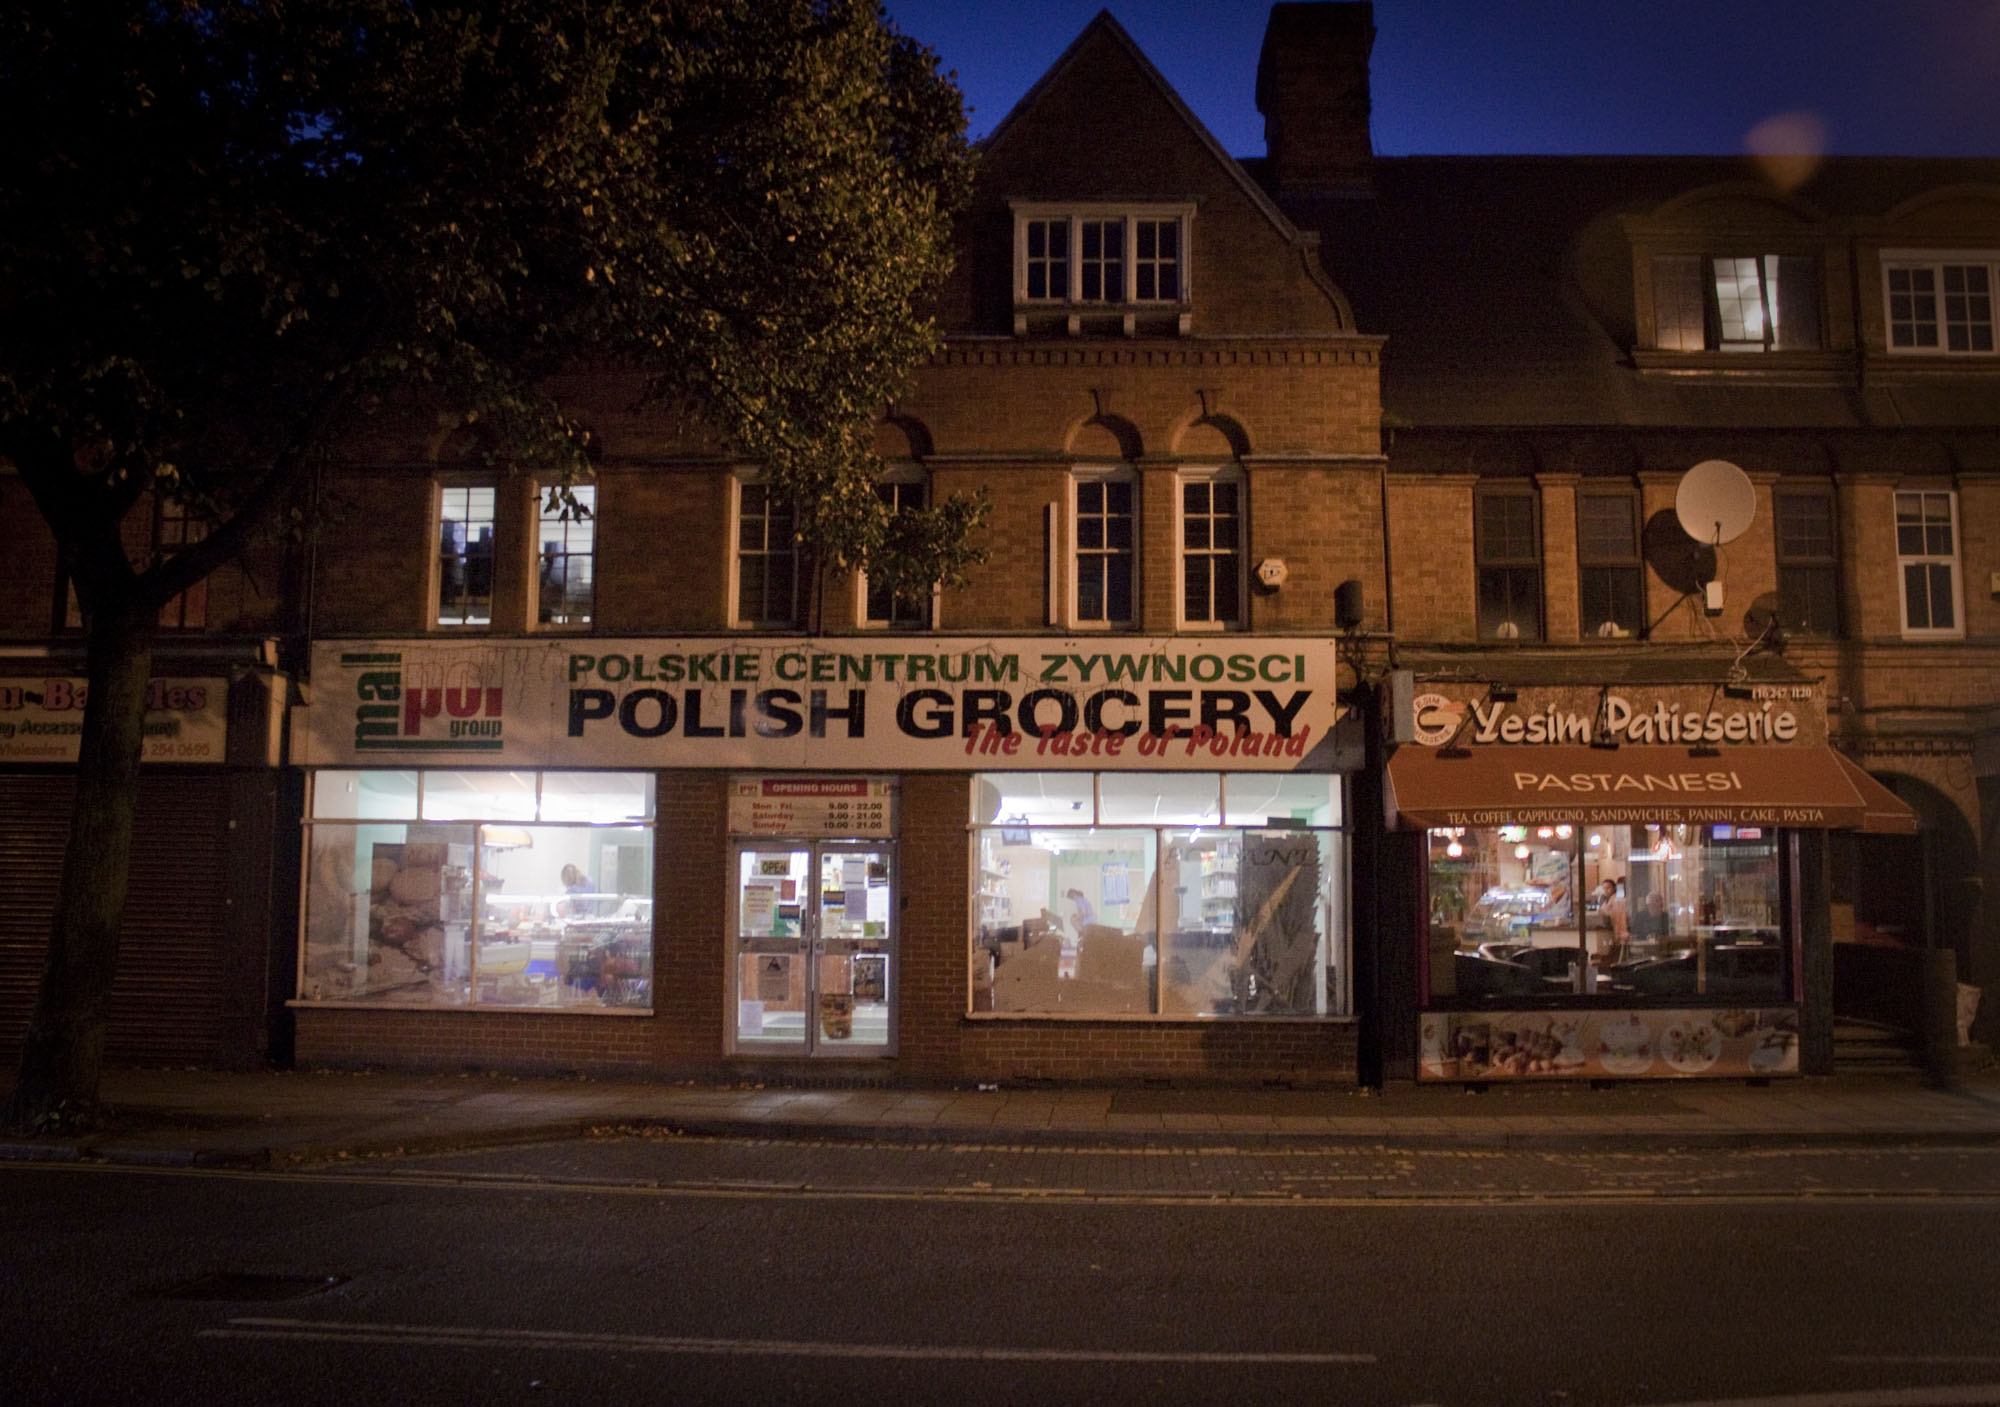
(846, 704)
(41, 720)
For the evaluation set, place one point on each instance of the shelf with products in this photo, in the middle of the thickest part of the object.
(994, 901)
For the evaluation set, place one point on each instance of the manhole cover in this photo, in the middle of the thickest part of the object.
(231, 1285)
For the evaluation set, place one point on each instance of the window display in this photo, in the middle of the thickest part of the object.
(1191, 895)
(514, 889)
(1606, 912)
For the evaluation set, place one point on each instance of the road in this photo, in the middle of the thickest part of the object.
(713, 1270)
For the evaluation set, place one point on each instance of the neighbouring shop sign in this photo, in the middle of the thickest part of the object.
(41, 720)
(1530, 1045)
(1039, 704)
(1751, 786)
(1773, 714)
(810, 806)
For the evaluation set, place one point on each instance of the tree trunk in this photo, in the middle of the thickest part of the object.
(64, 1050)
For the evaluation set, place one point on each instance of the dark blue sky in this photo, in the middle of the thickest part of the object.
(1901, 77)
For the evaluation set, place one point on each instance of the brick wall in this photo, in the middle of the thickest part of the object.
(1431, 562)
(1325, 521)
(373, 565)
(663, 550)
(528, 1042)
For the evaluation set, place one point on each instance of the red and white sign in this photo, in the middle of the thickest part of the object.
(812, 807)
(41, 720)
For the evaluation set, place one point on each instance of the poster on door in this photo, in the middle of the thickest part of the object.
(760, 908)
(774, 979)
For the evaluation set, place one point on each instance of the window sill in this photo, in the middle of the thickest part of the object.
(1827, 368)
(1102, 320)
(469, 1009)
(1147, 1019)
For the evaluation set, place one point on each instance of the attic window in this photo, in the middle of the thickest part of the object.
(1736, 302)
(1101, 268)
(1941, 303)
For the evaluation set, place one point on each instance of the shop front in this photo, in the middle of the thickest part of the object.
(1620, 882)
(194, 951)
(951, 855)
(813, 916)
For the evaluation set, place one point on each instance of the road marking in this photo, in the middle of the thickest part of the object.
(1971, 1395)
(1221, 1198)
(451, 1336)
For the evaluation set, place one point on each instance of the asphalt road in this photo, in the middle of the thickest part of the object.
(690, 1270)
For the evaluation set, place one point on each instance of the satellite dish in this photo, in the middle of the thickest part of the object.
(1715, 502)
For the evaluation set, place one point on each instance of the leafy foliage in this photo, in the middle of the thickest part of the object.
(230, 230)
(226, 229)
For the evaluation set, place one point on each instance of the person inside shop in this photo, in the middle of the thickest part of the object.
(1080, 911)
(1611, 915)
(574, 882)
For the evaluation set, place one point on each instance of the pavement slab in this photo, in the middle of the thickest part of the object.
(197, 1118)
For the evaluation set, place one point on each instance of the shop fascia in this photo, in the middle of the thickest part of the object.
(1267, 704)
(41, 719)
(1774, 714)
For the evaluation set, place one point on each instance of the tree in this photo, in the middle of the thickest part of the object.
(230, 230)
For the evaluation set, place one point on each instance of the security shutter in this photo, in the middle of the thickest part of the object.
(166, 1002)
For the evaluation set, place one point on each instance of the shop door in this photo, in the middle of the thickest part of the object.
(814, 948)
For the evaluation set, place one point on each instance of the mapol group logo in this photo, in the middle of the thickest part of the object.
(436, 707)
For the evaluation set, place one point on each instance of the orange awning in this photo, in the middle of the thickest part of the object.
(1746, 786)
(1887, 813)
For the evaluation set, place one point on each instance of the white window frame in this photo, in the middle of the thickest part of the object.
(440, 486)
(862, 620)
(732, 576)
(542, 522)
(1935, 261)
(1074, 215)
(1906, 560)
(1100, 474)
(1219, 474)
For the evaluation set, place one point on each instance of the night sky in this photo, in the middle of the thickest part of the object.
(1896, 77)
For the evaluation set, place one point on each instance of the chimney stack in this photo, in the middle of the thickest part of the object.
(1312, 87)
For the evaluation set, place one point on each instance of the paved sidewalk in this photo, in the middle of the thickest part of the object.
(281, 1119)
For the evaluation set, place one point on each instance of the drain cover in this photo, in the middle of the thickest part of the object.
(233, 1285)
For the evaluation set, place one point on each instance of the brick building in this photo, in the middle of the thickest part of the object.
(1339, 643)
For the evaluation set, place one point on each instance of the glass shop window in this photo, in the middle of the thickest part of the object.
(1159, 895)
(1640, 913)
(439, 888)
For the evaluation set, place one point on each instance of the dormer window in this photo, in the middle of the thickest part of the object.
(1736, 303)
(1101, 269)
(1941, 303)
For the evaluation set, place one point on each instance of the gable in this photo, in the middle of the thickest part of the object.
(1103, 130)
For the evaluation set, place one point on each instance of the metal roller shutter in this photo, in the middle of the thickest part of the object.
(166, 1003)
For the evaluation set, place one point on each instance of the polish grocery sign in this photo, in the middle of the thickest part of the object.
(1035, 703)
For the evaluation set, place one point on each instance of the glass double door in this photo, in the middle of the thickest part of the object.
(813, 948)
